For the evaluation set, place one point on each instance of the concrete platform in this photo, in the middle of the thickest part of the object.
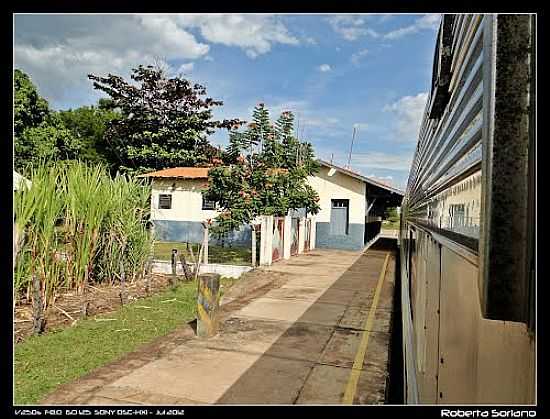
(302, 339)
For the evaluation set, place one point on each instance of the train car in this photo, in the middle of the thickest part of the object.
(468, 221)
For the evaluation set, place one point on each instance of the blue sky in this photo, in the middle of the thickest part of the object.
(333, 71)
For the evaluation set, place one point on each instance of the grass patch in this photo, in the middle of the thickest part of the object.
(390, 225)
(216, 254)
(42, 363)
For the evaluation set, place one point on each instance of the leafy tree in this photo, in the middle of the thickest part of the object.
(47, 141)
(88, 124)
(164, 122)
(263, 172)
(30, 110)
(39, 134)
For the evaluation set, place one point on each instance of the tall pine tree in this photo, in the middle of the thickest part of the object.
(264, 173)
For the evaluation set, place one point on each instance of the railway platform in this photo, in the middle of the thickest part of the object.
(318, 334)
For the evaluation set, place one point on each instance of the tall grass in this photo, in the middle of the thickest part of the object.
(77, 226)
(37, 210)
(126, 241)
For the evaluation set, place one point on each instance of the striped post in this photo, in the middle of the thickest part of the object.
(208, 302)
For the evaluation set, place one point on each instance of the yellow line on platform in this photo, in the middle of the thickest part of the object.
(351, 386)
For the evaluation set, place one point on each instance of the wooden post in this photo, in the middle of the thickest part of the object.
(253, 245)
(37, 307)
(173, 279)
(188, 274)
(148, 273)
(205, 244)
(122, 284)
(208, 302)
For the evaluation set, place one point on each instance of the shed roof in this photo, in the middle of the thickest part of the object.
(361, 177)
(180, 172)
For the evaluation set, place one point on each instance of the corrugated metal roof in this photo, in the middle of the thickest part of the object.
(180, 172)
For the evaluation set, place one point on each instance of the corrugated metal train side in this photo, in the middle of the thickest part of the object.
(467, 238)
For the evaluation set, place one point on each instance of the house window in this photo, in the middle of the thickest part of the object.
(165, 201)
(339, 217)
(208, 205)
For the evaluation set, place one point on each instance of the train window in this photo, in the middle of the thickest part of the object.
(442, 69)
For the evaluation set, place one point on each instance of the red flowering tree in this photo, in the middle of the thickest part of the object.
(264, 171)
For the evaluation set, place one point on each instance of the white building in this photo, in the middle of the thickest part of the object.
(351, 206)
(178, 207)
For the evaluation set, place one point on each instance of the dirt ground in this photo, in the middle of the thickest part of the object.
(66, 309)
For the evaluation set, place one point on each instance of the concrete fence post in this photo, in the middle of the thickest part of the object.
(301, 234)
(208, 303)
(287, 237)
(253, 239)
(266, 240)
(205, 245)
(312, 234)
(173, 259)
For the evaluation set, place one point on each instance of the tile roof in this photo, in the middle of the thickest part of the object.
(180, 172)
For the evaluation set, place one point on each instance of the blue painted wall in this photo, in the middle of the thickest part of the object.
(354, 240)
(192, 232)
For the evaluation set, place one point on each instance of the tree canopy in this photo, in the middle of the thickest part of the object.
(164, 122)
(263, 171)
(39, 133)
(88, 124)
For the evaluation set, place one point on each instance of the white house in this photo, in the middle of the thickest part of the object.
(178, 207)
(351, 206)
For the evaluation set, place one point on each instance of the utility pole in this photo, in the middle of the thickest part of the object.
(351, 148)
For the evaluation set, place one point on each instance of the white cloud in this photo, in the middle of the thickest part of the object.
(169, 38)
(384, 17)
(380, 160)
(358, 56)
(324, 68)
(59, 51)
(361, 126)
(430, 21)
(409, 111)
(185, 68)
(310, 40)
(351, 27)
(387, 180)
(255, 34)
(380, 177)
